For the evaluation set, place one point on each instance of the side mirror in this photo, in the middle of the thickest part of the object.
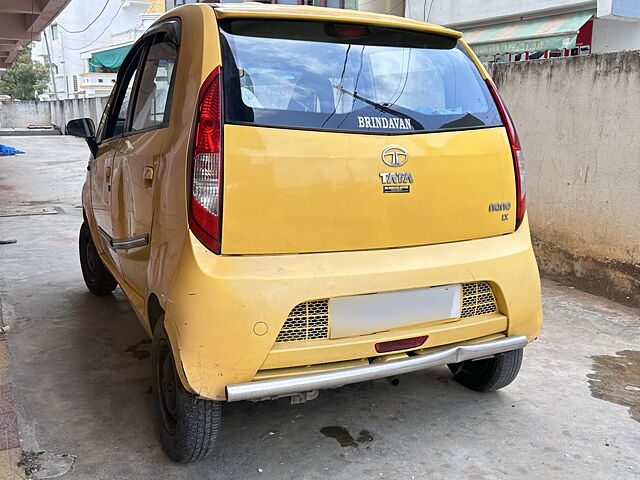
(84, 128)
(81, 127)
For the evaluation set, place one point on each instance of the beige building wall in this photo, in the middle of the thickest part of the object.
(156, 6)
(388, 7)
(579, 120)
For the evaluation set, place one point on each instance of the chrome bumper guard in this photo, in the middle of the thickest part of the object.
(279, 387)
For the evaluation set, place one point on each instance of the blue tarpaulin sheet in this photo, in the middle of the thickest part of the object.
(5, 150)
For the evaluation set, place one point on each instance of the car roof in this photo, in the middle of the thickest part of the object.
(302, 12)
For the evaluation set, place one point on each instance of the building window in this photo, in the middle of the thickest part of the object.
(55, 34)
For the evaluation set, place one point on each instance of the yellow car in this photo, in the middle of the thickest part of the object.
(300, 198)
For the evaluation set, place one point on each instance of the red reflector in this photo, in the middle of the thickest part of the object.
(403, 344)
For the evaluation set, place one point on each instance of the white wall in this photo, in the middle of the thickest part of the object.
(387, 7)
(452, 12)
(611, 32)
(20, 114)
(121, 22)
(615, 35)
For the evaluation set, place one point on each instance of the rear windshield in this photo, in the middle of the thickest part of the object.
(350, 77)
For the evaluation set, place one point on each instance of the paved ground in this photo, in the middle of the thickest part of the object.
(80, 368)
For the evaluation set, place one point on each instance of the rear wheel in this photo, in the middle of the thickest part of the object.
(489, 374)
(188, 426)
(98, 279)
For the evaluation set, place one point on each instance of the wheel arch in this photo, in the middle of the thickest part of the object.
(154, 311)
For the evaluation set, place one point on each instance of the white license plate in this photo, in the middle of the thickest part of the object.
(377, 312)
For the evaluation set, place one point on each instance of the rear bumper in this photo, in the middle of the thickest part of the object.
(223, 313)
(318, 381)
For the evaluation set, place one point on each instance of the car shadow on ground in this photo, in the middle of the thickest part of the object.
(86, 373)
(356, 418)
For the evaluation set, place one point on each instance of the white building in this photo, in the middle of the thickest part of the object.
(392, 7)
(517, 28)
(86, 43)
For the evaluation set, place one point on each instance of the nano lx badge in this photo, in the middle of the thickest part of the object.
(501, 207)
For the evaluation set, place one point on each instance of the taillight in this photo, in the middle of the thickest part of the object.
(205, 206)
(516, 152)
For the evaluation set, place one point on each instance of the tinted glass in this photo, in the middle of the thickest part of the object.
(345, 77)
(124, 108)
(117, 120)
(152, 101)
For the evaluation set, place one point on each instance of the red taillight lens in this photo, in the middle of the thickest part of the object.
(205, 206)
(516, 151)
(403, 344)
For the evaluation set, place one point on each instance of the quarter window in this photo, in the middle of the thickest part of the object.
(121, 119)
(117, 120)
(152, 103)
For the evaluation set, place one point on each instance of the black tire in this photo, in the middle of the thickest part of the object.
(188, 426)
(490, 374)
(98, 279)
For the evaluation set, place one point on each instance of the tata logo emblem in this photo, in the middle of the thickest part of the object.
(394, 156)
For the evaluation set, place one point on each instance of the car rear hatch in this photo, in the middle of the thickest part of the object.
(347, 136)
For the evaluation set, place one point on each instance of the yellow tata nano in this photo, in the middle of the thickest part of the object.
(300, 198)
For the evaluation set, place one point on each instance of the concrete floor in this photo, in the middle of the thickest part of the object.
(80, 370)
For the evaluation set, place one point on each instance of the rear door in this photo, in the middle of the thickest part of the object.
(101, 173)
(350, 137)
(139, 155)
(109, 137)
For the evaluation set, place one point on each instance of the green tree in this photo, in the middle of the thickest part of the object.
(25, 79)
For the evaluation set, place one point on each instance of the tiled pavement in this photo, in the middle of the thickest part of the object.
(10, 451)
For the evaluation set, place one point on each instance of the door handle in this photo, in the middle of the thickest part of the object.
(147, 176)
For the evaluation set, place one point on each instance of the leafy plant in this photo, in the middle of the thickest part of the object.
(25, 79)
(30, 461)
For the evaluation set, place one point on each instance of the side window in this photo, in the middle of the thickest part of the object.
(153, 100)
(117, 119)
(121, 118)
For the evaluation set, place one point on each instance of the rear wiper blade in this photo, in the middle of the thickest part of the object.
(383, 108)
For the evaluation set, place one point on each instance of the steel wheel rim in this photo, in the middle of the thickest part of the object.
(167, 388)
(91, 254)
